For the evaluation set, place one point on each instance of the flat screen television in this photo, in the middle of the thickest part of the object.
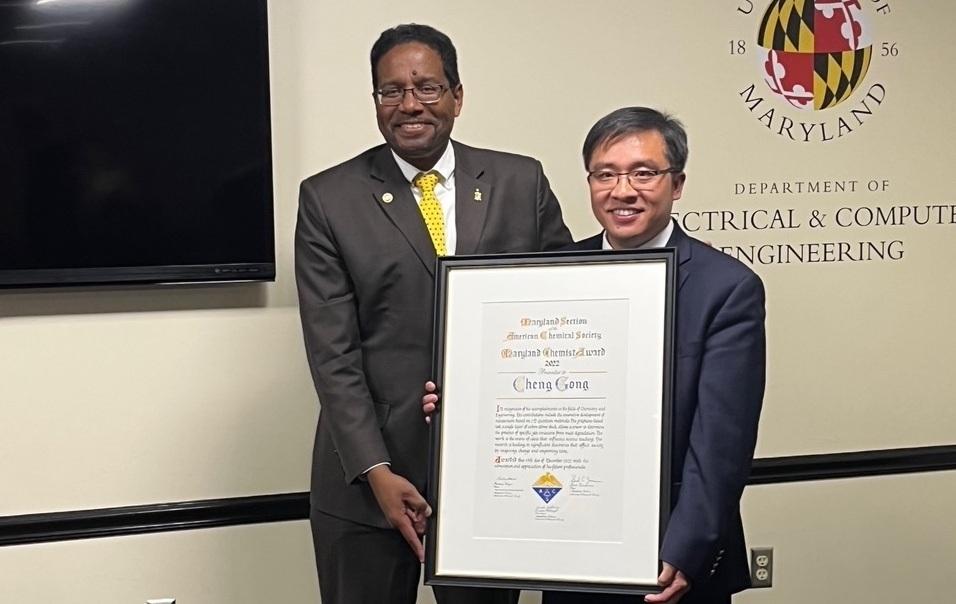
(135, 142)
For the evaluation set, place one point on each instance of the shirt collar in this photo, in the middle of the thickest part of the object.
(658, 240)
(445, 166)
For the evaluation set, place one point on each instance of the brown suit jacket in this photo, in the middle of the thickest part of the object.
(365, 274)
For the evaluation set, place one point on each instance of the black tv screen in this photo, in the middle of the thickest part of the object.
(134, 142)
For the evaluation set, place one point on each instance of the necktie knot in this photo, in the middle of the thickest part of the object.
(426, 181)
(431, 209)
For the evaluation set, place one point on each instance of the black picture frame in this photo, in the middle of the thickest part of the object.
(460, 281)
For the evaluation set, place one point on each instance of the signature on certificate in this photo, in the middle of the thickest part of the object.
(583, 485)
(504, 487)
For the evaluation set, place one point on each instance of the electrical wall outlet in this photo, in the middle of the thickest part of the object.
(761, 566)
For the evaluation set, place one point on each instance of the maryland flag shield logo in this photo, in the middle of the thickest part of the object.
(547, 487)
(814, 53)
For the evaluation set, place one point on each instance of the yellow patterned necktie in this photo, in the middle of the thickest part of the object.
(431, 209)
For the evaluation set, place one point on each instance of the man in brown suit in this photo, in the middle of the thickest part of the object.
(365, 272)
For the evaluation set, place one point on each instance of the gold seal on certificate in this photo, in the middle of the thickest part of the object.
(547, 487)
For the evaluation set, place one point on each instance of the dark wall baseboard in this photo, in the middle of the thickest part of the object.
(858, 464)
(135, 520)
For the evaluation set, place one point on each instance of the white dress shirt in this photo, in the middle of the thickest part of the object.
(658, 240)
(444, 190)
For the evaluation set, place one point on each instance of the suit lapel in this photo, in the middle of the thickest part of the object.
(595, 242)
(473, 194)
(681, 241)
(678, 239)
(388, 183)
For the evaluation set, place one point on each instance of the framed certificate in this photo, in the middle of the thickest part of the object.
(550, 449)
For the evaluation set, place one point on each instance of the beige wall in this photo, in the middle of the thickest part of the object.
(131, 395)
(235, 565)
(856, 541)
(140, 395)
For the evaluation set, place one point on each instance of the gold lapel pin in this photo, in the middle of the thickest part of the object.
(477, 195)
(387, 198)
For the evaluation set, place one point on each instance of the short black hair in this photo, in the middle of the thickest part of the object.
(423, 34)
(630, 120)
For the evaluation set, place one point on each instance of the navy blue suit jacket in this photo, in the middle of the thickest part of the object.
(719, 385)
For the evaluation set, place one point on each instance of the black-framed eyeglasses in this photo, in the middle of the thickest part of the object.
(425, 94)
(640, 178)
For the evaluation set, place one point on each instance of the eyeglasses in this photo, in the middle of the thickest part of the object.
(425, 94)
(642, 178)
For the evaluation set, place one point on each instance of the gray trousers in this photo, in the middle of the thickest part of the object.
(360, 564)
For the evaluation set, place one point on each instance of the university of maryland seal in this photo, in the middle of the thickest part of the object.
(814, 53)
(813, 79)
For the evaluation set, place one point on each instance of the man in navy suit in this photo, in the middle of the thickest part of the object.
(635, 159)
